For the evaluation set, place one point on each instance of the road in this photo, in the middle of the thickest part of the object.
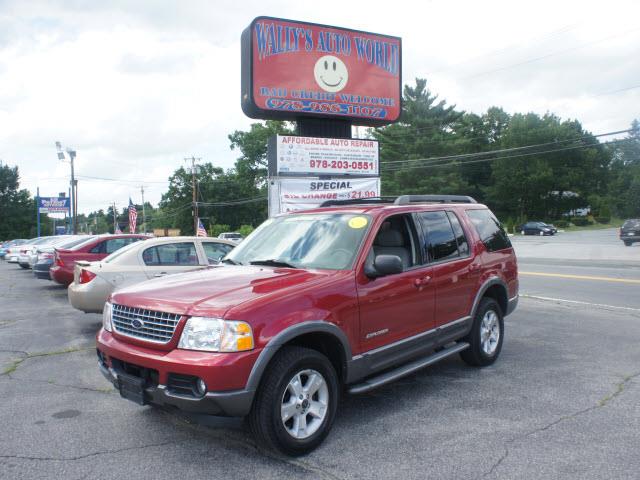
(561, 402)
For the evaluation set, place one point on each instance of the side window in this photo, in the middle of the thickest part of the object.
(397, 236)
(463, 244)
(215, 251)
(440, 241)
(489, 229)
(99, 248)
(171, 254)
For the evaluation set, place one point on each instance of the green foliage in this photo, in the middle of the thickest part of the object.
(581, 221)
(17, 208)
(217, 229)
(603, 220)
(561, 223)
(245, 230)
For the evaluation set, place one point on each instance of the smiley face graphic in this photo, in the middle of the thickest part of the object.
(331, 73)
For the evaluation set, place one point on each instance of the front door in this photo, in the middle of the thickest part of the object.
(398, 306)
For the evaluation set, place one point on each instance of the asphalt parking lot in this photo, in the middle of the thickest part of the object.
(563, 400)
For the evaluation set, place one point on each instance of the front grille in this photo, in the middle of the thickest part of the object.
(147, 325)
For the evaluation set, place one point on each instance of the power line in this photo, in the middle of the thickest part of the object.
(503, 150)
(543, 152)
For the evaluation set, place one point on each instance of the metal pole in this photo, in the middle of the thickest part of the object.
(74, 193)
(38, 207)
(114, 217)
(193, 188)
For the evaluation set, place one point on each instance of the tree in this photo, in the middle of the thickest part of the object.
(17, 208)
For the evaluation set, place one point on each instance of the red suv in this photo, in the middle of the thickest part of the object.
(99, 247)
(351, 296)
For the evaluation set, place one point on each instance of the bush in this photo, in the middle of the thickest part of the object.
(217, 229)
(581, 221)
(245, 230)
(603, 220)
(561, 223)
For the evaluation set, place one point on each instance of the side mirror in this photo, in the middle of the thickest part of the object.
(385, 265)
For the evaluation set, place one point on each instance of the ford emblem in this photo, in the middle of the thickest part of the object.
(137, 323)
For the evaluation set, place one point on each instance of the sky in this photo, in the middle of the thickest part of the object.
(136, 86)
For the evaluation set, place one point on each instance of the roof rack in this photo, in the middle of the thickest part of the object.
(401, 200)
(358, 201)
(407, 199)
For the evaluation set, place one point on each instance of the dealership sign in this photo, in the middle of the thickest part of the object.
(292, 155)
(294, 194)
(294, 69)
(53, 204)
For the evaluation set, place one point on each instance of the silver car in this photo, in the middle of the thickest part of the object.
(93, 282)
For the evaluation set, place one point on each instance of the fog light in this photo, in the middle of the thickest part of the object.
(201, 387)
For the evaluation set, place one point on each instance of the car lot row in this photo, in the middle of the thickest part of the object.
(93, 266)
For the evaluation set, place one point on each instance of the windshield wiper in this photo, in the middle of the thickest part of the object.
(273, 263)
(229, 261)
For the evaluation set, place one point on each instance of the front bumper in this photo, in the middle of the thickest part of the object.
(214, 368)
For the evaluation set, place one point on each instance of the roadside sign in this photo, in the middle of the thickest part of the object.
(299, 156)
(294, 69)
(294, 194)
(53, 205)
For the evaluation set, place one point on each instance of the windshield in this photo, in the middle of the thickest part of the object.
(320, 240)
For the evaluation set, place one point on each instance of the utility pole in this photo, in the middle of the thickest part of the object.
(114, 217)
(144, 217)
(193, 161)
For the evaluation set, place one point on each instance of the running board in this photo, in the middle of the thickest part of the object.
(406, 369)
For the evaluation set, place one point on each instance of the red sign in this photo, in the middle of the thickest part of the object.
(292, 69)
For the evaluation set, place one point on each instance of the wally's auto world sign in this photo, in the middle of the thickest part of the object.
(293, 69)
(53, 204)
(294, 194)
(313, 156)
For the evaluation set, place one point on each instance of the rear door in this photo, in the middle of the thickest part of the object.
(170, 258)
(454, 272)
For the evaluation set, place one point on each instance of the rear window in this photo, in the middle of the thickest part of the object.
(489, 229)
(631, 224)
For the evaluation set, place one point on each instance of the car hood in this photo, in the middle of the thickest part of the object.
(213, 291)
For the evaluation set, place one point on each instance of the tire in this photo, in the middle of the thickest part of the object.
(627, 244)
(22, 266)
(481, 354)
(277, 390)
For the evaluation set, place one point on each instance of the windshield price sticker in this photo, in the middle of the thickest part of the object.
(326, 156)
(358, 222)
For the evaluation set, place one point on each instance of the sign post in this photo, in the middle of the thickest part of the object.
(38, 210)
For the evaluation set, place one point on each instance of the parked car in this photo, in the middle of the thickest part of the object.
(29, 256)
(355, 295)
(233, 236)
(536, 228)
(4, 248)
(64, 260)
(46, 254)
(95, 281)
(13, 254)
(630, 231)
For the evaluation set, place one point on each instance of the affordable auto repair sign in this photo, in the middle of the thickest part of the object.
(293, 69)
(294, 155)
(293, 194)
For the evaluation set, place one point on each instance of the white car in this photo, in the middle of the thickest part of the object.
(94, 281)
(13, 255)
(29, 256)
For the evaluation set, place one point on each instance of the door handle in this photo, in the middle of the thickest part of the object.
(421, 282)
(161, 274)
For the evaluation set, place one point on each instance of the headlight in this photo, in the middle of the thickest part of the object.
(106, 317)
(216, 335)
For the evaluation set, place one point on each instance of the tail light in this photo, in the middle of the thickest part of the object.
(58, 261)
(86, 276)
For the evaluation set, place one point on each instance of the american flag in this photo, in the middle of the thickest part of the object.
(201, 231)
(133, 217)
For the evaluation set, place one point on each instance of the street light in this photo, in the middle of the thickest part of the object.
(74, 184)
